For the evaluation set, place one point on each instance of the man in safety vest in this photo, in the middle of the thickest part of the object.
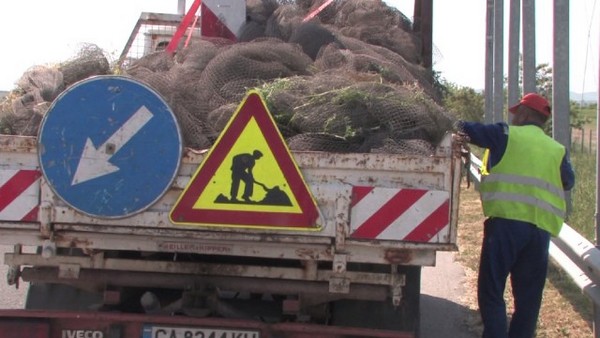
(524, 177)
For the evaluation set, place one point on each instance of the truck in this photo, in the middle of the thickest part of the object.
(337, 252)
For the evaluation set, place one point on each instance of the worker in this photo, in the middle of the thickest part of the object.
(524, 179)
(241, 170)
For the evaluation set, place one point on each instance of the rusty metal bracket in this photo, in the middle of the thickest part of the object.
(311, 269)
(14, 271)
(69, 271)
(339, 263)
(339, 285)
(396, 284)
(48, 248)
(46, 216)
(342, 208)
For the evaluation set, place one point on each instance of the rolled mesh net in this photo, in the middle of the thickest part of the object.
(349, 80)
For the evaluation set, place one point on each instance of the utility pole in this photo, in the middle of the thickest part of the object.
(513, 53)
(489, 63)
(529, 68)
(498, 61)
(560, 75)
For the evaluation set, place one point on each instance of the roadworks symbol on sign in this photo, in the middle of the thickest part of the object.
(248, 179)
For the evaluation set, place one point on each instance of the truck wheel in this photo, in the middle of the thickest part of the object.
(383, 315)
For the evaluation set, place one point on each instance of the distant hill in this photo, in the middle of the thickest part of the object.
(3, 93)
(590, 97)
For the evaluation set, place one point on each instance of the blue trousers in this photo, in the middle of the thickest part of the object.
(521, 250)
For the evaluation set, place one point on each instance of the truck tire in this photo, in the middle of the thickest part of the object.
(383, 315)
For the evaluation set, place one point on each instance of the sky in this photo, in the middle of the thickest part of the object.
(459, 39)
(41, 32)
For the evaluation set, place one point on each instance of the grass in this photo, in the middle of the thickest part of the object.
(583, 157)
(583, 196)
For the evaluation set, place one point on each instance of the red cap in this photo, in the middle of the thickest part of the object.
(535, 102)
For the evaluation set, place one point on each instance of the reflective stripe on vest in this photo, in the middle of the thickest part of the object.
(526, 185)
(489, 196)
(517, 179)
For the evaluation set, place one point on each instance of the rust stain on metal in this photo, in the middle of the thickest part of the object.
(398, 256)
(229, 270)
(73, 242)
(311, 254)
(15, 143)
(362, 162)
(340, 229)
(193, 155)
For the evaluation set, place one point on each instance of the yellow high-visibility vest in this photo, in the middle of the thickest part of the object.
(526, 184)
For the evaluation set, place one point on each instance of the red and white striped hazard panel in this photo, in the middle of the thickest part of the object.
(222, 18)
(412, 215)
(19, 195)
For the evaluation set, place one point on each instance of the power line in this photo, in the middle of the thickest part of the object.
(587, 49)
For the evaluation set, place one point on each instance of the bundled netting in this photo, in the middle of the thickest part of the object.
(348, 80)
(355, 115)
(22, 110)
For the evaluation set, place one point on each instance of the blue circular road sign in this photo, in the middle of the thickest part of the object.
(109, 146)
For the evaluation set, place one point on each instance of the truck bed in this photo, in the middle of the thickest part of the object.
(336, 260)
(330, 176)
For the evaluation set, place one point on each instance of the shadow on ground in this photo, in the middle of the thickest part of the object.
(443, 318)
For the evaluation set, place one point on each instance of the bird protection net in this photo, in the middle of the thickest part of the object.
(348, 80)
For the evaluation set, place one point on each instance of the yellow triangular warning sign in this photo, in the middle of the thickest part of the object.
(248, 179)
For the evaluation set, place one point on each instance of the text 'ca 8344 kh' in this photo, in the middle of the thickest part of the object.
(193, 332)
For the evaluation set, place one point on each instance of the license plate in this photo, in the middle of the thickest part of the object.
(153, 331)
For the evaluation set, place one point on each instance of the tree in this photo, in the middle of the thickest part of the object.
(463, 102)
(467, 104)
(543, 80)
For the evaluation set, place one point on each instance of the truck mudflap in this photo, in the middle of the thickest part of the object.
(58, 324)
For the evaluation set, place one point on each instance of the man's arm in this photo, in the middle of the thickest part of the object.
(567, 174)
(491, 136)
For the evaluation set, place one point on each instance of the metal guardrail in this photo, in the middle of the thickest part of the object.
(577, 256)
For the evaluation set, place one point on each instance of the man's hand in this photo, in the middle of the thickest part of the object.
(461, 145)
(461, 137)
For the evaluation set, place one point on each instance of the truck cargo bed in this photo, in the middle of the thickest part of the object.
(381, 217)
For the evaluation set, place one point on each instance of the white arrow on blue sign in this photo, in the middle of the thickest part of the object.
(109, 146)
